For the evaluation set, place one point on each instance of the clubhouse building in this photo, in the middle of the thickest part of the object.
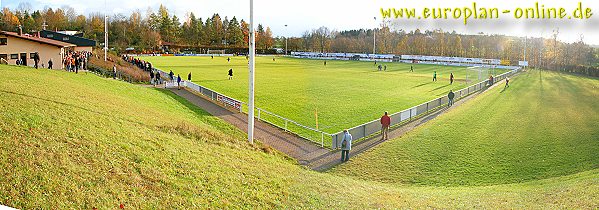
(14, 46)
(72, 37)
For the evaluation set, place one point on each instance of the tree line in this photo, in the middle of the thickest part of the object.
(146, 31)
(549, 53)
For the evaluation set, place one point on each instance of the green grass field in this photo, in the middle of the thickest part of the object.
(545, 125)
(345, 93)
(77, 141)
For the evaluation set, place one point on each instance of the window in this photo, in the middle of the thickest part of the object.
(31, 55)
(3, 41)
(65, 38)
(4, 56)
(14, 56)
(50, 35)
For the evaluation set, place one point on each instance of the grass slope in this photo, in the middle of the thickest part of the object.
(72, 141)
(544, 125)
(345, 93)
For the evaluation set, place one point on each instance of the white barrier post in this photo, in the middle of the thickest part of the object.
(258, 114)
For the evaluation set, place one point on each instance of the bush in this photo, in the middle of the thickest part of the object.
(125, 70)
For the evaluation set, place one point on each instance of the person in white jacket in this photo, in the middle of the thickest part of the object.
(345, 145)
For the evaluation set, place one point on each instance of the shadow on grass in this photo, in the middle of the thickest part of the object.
(423, 84)
(441, 87)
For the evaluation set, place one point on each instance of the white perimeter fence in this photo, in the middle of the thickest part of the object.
(374, 127)
(311, 134)
(318, 136)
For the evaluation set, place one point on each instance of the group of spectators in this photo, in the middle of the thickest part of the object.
(155, 78)
(74, 61)
(146, 66)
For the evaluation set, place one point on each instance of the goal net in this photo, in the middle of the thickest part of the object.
(216, 52)
(477, 73)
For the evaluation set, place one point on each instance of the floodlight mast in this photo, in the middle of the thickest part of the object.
(105, 31)
(252, 52)
(374, 38)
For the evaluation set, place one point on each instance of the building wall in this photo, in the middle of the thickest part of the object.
(88, 49)
(46, 51)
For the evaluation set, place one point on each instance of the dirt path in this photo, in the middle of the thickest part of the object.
(305, 152)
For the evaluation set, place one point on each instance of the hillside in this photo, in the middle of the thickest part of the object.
(78, 141)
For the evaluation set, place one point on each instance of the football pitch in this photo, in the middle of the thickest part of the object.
(344, 94)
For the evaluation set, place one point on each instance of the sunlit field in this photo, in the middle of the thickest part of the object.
(80, 141)
(544, 125)
(345, 93)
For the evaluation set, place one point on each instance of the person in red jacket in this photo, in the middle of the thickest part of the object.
(385, 122)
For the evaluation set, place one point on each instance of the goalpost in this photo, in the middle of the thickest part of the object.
(215, 52)
(477, 73)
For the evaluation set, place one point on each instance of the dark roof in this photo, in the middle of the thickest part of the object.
(76, 40)
(38, 39)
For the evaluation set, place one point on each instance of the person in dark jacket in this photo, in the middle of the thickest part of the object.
(179, 81)
(172, 75)
(450, 96)
(189, 77)
(36, 60)
(50, 64)
(158, 79)
(151, 77)
(230, 74)
(451, 78)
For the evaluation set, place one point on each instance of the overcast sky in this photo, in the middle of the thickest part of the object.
(302, 15)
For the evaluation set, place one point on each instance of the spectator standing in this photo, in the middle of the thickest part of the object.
(230, 74)
(36, 59)
(114, 72)
(158, 79)
(385, 123)
(171, 75)
(189, 77)
(179, 81)
(50, 63)
(450, 96)
(345, 145)
(151, 77)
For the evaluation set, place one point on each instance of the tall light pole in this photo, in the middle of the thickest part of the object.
(105, 31)
(286, 38)
(525, 41)
(374, 39)
(252, 49)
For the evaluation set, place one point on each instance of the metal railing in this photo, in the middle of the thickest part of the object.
(318, 136)
(312, 134)
(407, 115)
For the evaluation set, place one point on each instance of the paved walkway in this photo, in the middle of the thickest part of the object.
(307, 153)
(285, 142)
